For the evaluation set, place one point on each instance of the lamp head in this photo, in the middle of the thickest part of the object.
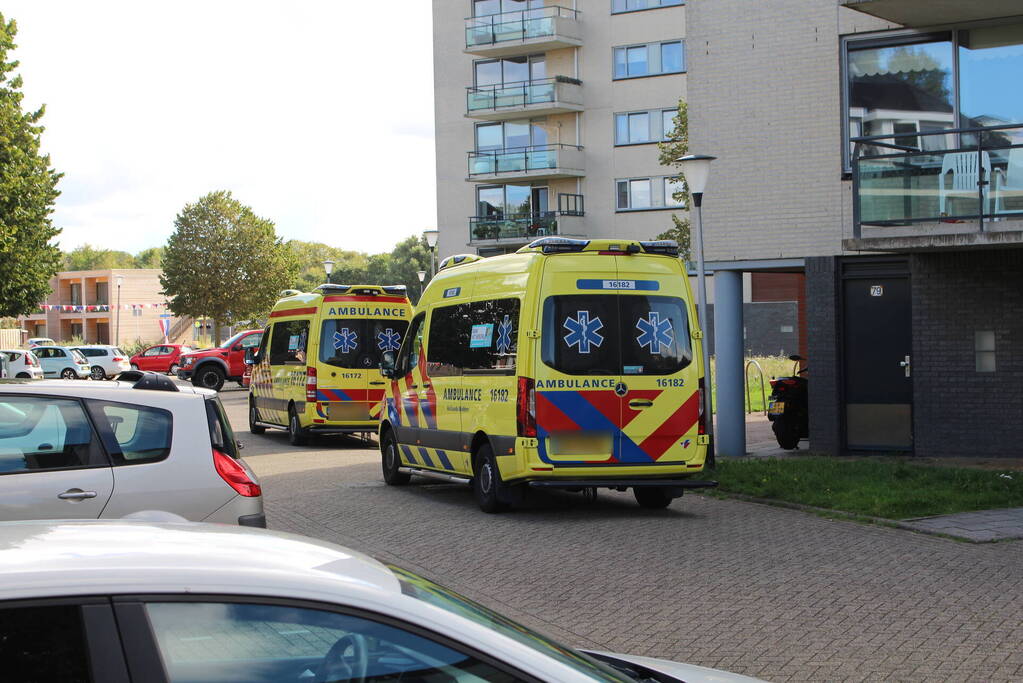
(431, 237)
(421, 274)
(328, 266)
(696, 168)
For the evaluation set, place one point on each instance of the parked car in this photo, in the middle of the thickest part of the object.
(161, 358)
(143, 601)
(40, 341)
(212, 367)
(106, 361)
(63, 362)
(73, 450)
(22, 364)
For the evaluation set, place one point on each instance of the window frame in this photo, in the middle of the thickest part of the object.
(658, 195)
(405, 351)
(655, 119)
(661, 4)
(647, 46)
(99, 457)
(108, 437)
(305, 350)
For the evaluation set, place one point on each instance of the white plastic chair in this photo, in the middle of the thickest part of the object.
(1009, 181)
(965, 176)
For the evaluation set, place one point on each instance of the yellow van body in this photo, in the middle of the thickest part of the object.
(317, 369)
(571, 363)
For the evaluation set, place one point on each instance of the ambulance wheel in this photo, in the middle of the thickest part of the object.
(390, 461)
(486, 482)
(652, 497)
(297, 436)
(254, 418)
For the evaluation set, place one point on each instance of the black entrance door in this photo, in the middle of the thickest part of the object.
(877, 363)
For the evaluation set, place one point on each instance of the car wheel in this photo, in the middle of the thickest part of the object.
(24, 375)
(209, 377)
(652, 497)
(254, 418)
(391, 461)
(97, 373)
(173, 370)
(68, 373)
(297, 436)
(134, 366)
(486, 481)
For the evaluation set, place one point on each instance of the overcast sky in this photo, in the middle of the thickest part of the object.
(316, 113)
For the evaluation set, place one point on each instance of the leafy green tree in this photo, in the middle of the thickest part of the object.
(224, 262)
(28, 189)
(309, 258)
(671, 150)
(407, 258)
(87, 257)
(149, 258)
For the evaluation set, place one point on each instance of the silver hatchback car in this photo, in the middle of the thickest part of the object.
(81, 450)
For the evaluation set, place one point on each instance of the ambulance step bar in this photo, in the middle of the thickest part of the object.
(443, 476)
(621, 483)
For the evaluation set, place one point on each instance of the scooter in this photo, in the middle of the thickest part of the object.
(787, 408)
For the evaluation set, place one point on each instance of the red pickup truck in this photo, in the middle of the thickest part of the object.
(212, 367)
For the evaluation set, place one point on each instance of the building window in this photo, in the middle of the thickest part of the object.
(509, 70)
(76, 294)
(619, 6)
(671, 187)
(653, 59)
(639, 127)
(510, 135)
(637, 194)
(485, 8)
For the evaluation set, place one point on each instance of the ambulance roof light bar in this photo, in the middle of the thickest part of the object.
(556, 245)
(666, 247)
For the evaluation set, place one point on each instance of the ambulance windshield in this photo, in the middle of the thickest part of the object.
(355, 343)
(616, 334)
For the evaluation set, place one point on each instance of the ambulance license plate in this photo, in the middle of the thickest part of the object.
(581, 443)
(776, 408)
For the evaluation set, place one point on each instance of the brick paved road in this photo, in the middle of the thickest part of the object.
(768, 592)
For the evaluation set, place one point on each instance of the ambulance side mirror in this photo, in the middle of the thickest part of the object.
(387, 365)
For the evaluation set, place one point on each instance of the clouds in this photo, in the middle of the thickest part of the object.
(317, 113)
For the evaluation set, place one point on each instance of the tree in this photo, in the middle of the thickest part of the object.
(671, 150)
(224, 262)
(87, 257)
(28, 190)
(309, 258)
(407, 258)
(149, 258)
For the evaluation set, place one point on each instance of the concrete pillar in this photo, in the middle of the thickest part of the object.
(730, 434)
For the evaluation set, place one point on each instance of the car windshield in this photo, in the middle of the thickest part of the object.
(355, 343)
(230, 342)
(419, 588)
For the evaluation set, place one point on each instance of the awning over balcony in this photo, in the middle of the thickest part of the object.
(917, 13)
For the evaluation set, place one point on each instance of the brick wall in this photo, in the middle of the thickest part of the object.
(958, 411)
(765, 326)
(822, 354)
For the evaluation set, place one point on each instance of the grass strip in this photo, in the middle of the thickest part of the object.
(890, 488)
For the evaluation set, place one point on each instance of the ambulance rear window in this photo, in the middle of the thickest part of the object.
(616, 334)
(355, 343)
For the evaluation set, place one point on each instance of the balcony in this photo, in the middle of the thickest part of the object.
(558, 95)
(510, 230)
(947, 189)
(917, 13)
(526, 163)
(534, 30)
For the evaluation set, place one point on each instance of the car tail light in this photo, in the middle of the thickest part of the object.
(702, 422)
(310, 384)
(31, 361)
(235, 474)
(525, 407)
(118, 359)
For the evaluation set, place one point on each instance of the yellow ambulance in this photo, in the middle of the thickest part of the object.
(317, 368)
(572, 363)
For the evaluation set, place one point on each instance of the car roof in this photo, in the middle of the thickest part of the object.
(111, 557)
(70, 387)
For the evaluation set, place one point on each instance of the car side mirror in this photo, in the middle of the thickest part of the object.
(387, 365)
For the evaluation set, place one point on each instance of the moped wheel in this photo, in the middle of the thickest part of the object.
(786, 431)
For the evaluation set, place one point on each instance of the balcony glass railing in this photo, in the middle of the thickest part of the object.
(956, 175)
(513, 227)
(522, 25)
(516, 159)
(508, 95)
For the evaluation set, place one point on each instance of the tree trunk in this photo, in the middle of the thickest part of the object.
(216, 332)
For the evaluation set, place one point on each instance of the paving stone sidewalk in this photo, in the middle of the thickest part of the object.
(980, 527)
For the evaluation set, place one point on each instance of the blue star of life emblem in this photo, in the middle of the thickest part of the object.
(583, 332)
(504, 335)
(346, 340)
(654, 332)
(388, 340)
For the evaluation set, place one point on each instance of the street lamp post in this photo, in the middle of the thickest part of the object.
(431, 241)
(117, 329)
(328, 266)
(422, 277)
(695, 169)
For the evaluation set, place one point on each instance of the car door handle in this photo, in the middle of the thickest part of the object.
(640, 403)
(76, 494)
(377, 383)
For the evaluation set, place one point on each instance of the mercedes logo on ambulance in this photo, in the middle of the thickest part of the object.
(621, 389)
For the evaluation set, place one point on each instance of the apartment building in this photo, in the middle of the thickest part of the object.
(547, 118)
(105, 307)
(875, 149)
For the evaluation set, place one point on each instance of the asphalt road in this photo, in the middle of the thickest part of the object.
(764, 591)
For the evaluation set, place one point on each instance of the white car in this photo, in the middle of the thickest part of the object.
(40, 341)
(88, 450)
(22, 364)
(106, 361)
(142, 601)
(63, 362)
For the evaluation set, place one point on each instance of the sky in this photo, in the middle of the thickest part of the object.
(316, 113)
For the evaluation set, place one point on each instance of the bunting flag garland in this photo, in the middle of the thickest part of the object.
(97, 308)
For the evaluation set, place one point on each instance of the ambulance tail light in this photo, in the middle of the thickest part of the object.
(310, 384)
(701, 424)
(525, 407)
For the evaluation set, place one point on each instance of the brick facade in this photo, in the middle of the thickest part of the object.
(823, 358)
